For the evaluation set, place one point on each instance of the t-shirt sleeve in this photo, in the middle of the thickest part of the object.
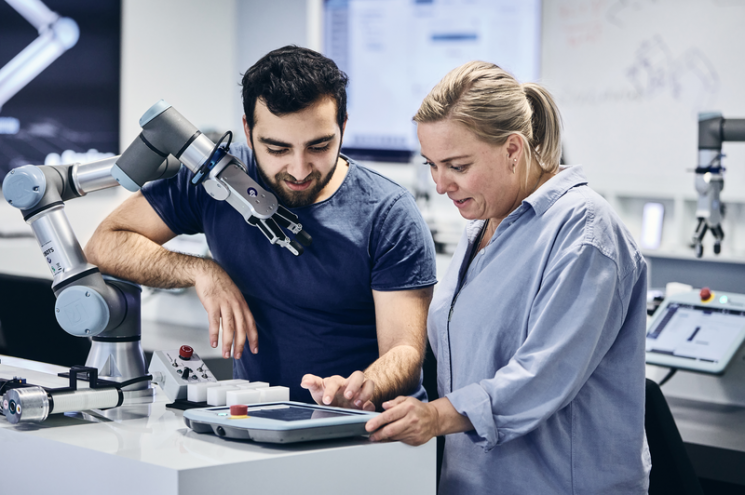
(403, 253)
(177, 202)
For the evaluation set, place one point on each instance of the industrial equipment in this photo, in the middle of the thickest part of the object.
(107, 309)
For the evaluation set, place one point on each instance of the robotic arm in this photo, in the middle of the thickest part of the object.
(108, 309)
(88, 304)
(713, 129)
(166, 132)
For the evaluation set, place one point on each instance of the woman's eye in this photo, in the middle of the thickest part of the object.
(429, 164)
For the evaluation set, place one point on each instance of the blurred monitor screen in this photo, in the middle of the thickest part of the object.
(395, 51)
(59, 81)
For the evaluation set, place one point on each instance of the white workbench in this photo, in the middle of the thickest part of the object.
(159, 454)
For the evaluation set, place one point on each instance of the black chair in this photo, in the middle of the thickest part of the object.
(29, 327)
(429, 370)
(672, 471)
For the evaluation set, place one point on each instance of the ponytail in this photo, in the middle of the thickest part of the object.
(546, 126)
(493, 105)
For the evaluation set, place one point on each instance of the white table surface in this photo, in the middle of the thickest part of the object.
(84, 453)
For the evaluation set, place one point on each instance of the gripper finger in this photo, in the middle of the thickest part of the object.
(281, 237)
(304, 238)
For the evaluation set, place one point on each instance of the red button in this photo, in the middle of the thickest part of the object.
(185, 352)
(239, 410)
(705, 294)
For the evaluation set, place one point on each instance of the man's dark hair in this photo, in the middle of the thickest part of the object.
(292, 78)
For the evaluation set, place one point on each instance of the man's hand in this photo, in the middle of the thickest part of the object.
(405, 419)
(355, 392)
(224, 302)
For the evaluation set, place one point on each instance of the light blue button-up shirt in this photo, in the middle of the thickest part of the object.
(542, 349)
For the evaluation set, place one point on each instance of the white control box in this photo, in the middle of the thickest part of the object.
(175, 370)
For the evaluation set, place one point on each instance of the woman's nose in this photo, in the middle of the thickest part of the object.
(442, 183)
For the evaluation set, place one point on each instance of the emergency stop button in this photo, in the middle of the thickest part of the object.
(706, 295)
(185, 352)
(238, 410)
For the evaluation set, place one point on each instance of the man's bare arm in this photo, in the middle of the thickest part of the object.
(128, 244)
(401, 320)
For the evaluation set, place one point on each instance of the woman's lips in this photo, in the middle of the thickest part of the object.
(461, 203)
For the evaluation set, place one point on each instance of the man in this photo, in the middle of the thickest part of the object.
(344, 323)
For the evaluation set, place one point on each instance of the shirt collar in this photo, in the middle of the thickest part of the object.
(546, 195)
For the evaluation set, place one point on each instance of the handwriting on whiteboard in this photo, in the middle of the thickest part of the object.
(689, 78)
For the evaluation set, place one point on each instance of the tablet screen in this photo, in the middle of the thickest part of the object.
(294, 413)
(694, 332)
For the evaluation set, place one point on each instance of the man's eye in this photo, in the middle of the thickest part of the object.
(279, 151)
(320, 149)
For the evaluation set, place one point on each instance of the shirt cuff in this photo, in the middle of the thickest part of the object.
(474, 403)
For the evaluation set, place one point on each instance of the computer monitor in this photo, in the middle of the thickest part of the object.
(395, 51)
(59, 82)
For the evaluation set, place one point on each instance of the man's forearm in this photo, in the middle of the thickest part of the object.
(133, 257)
(395, 373)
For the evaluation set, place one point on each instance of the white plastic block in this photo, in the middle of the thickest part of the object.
(274, 394)
(197, 392)
(216, 395)
(242, 396)
(252, 385)
(233, 381)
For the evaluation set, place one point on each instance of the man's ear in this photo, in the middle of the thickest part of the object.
(247, 132)
(343, 127)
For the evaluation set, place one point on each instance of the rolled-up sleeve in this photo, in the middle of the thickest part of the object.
(574, 320)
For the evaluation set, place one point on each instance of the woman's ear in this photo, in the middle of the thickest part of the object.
(514, 148)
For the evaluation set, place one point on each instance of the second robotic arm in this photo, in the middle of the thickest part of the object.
(713, 129)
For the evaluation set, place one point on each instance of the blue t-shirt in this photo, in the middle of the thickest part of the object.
(314, 312)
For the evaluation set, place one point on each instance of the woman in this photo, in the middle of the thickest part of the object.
(539, 324)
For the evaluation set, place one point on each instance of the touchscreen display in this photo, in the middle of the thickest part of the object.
(695, 332)
(294, 413)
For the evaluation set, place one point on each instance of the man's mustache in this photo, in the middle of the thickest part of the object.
(284, 176)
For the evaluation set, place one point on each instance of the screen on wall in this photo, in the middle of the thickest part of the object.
(59, 81)
(395, 51)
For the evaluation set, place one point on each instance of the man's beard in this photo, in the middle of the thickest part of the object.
(297, 199)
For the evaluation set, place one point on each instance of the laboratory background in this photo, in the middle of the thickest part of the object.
(653, 108)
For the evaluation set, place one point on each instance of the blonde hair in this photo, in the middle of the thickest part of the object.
(493, 105)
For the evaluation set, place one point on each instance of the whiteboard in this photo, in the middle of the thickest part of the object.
(631, 76)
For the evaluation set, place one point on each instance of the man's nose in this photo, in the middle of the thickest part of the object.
(300, 166)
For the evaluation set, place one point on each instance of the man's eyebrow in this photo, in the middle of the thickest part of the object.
(447, 159)
(282, 144)
(320, 140)
(274, 142)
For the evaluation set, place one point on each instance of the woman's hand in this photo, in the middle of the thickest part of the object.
(410, 421)
(405, 419)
